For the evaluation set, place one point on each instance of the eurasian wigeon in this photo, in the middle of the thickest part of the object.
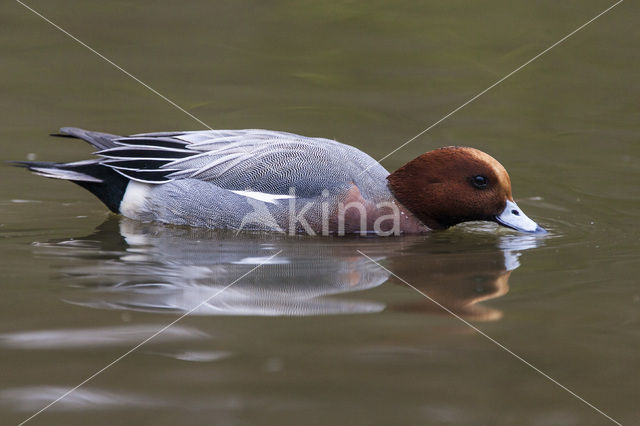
(275, 181)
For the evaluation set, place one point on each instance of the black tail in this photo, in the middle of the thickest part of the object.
(105, 183)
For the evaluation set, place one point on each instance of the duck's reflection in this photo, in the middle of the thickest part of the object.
(459, 283)
(463, 274)
(130, 265)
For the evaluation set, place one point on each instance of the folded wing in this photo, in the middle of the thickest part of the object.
(255, 160)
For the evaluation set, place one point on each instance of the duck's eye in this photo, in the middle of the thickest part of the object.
(480, 181)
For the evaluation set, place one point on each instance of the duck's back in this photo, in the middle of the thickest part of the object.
(248, 179)
(222, 178)
(252, 160)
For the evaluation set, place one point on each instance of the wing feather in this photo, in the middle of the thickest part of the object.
(256, 160)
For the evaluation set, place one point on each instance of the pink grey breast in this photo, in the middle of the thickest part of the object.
(265, 180)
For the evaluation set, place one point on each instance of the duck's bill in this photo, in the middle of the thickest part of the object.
(513, 217)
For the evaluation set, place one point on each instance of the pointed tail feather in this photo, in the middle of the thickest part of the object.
(58, 170)
(98, 139)
(105, 183)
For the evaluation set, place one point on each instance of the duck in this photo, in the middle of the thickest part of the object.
(264, 180)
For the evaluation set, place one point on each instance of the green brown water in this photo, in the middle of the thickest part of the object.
(319, 335)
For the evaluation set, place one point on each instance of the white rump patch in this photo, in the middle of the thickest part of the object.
(134, 198)
(264, 197)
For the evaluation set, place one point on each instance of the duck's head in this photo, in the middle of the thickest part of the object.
(451, 185)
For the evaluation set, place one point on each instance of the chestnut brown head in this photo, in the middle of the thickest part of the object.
(451, 185)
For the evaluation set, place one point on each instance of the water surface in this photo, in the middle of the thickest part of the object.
(319, 334)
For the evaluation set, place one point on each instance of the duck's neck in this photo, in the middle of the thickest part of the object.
(414, 207)
(409, 223)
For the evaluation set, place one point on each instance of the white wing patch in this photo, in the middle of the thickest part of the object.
(263, 196)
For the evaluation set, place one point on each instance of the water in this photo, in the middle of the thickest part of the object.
(319, 334)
